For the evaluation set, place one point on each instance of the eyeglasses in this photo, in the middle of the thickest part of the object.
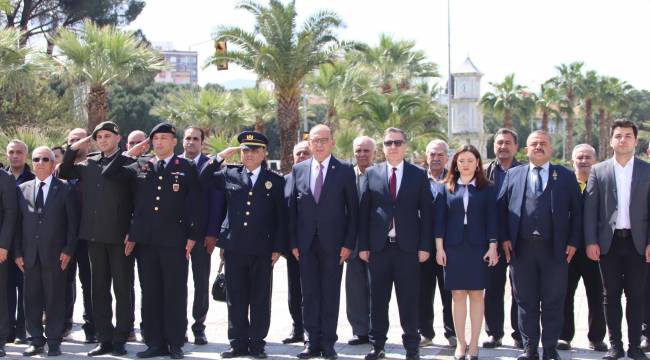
(397, 143)
(40, 159)
(321, 141)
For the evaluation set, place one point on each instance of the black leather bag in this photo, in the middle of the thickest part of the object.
(219, 286)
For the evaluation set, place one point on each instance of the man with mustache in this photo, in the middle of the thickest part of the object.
(505, 149)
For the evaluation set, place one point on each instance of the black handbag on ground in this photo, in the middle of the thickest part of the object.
(219, 286)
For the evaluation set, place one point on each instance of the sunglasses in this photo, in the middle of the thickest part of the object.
(397, 143)
(40, 159)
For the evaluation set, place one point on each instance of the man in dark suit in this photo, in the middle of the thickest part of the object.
(8, 212)
(167, 223)
(395, 236)
(301, 153)
(583, 158)
(192, 146)
(617, 207)
(357, 277)
(44, 245)
(252, 237)
(506, 144)
(437, 156)
(105, 218)
(323, 225)
(17, 153)
(540, 224)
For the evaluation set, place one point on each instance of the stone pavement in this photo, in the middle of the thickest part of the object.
(281, 327)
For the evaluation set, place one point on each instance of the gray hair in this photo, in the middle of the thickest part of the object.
(300, 143)
(46, 149)
(511, 132)
(360, 139)
(396, 130)
(435, 142)
(539, 132)
(18, 142)
(587, 146)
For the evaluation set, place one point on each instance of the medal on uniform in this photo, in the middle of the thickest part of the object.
(554, 175)
(268, 185)
(176, 187)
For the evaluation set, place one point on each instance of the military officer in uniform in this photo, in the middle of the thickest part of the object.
(165, 229)
(252, 237)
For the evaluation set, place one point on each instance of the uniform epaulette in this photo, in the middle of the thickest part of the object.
(94, 153)
(234, 166)
(276, 173)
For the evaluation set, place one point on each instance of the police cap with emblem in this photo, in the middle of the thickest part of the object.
(252, 140)
(162, 128)
(106, 125)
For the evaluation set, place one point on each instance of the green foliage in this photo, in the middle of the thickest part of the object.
(32, 136)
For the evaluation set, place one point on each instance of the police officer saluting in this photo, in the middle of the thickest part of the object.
(165, 230)
(252, 237)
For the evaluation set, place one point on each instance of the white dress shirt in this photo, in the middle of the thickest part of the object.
(256, 174)
(466, 195)
(167, 159)
(314, 171)
(623, 188)
(532, 176)
(399, 173)
(46, 188)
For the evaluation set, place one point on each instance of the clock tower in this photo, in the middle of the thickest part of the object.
(466, 115)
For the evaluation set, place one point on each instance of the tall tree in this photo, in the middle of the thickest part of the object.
(546, 103)
(588, 89)
(259, 105)
(568, 82)
(277, 51)
(100, 56)
(507, 99)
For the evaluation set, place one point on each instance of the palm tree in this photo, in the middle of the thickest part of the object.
(611, 96)
(588, 89)
(260, 106)
(100, 56)
(546, 103)
(18, 65)
(568, 84)
(507, 99)
(279, 52)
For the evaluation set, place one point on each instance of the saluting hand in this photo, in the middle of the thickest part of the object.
(65, 260)
(570, 251)
(3, 255)
(81, 142)
(228, 152)
(423, 256)
(188, 248)
(20, 262)
(593, 252)
(345, 254)
(139, 149)
(364, 255)
(274, 258)
(210, 242)
(507, 250)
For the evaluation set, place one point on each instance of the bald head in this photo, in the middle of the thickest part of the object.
(364, 151)
(301, 152)
(134, 138)
(321, 142)
(75, 135)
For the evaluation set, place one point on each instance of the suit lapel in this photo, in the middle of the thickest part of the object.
(385, 188)
(30, 194)
(55, 184)
(261, 178)
(612, 178)
(636, 174)
(404, 182)
(519, 188)
(330, 176)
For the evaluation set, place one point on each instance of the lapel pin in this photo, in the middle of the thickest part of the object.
(333, 167)
(554, 175)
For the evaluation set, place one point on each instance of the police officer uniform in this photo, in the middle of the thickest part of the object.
(252, 230)
(161, 225)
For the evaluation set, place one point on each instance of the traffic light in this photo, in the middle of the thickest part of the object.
(221, 49)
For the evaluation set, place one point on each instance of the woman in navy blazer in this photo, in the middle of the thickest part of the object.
(466, 232)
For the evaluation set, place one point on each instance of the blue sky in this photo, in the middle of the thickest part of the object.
(501, 36)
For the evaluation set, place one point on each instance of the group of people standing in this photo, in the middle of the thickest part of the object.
(456, 224)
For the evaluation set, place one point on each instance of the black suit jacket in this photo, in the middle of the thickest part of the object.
(106, 204)
(8, 209)
(168, 205)
(334, 218)
(49, 234)
(412, 210)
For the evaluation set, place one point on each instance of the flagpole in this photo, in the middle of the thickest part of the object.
(449, 82)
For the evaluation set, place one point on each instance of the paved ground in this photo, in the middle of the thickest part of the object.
(281, 327)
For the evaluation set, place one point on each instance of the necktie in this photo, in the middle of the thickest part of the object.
(40, 201)
(319, 183)
(161, 166)
(539, 186)
(393, 185)
(250, 180)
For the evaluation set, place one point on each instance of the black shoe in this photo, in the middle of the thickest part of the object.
(234, 353)
(518, 343)
(598, 346)
(615, 352)
(294, 338)
(90, 339)
(175, 352)
(492, 342)
(645, 344)
(20, 339)
(529, 354)
(200, 339)
(33, 350)
(563, 345)
(635, 353)
(258, 354)
(359, 340)
(54, 350)
(118, 349)
(375, 354)
(330, 355)
(66, 332)
(452, 340)
(551, 354)
(152, 351)
(309, 353)
(132, 337)
(2, 351)
(412, 356)
(101, 349)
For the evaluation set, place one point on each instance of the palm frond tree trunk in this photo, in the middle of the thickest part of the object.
(97, 106)
(545, 120)
(507, 119)
(589, 137)
(602, 134)
(288, 117)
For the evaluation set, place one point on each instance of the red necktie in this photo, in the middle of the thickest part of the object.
(393, 185)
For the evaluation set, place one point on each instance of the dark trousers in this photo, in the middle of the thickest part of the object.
(111, 268)
(45, 289)
(387, 267)
(646, 321)
(4, 315)
(248, 289)
(430, 273)
(164, 295)
(623, 269)
(138, 263)
(495, 305)
(581, 266)
(80, 261)
(201, 275)
(320, 280)
(357, 295)
(294, 294)
(540, 283)
(15, 301)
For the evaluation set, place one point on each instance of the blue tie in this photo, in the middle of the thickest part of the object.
(539, 186)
